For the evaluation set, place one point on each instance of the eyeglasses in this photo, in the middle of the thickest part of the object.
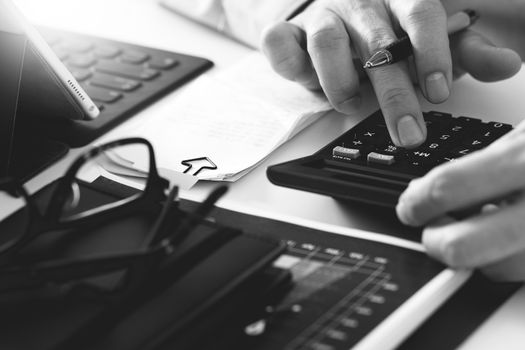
(69, 213)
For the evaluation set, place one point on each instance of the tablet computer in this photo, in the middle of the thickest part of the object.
(47, 88)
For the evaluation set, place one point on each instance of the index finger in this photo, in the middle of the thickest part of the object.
(425, 22)
(372, 30)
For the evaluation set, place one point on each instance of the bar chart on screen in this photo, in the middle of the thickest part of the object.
(347, 292)
(341, 295)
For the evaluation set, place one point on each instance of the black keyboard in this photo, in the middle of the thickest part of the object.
(364, 165)
(121, 78)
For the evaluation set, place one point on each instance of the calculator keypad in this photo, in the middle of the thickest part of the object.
(449, 138)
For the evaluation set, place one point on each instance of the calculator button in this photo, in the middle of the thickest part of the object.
(346, 153)
(434, 127)
(373, 137)
(433, 115)
(457, 128)
(468, 120)
(357, 143)
(435, 122)
(421, 154)
(390, 149)
(445, 137)
(424, 159)
(447, 158)
(462, 151)
(490, 135)
(432, 147)
(499, 126)
(378, 158)
(476, 142)
(371, 134)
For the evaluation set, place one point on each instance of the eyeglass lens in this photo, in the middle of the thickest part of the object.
(125, 162)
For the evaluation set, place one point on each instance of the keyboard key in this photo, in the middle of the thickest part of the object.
(134, 57)
(343, 152)
(104, 51)
(102, 95)
(163, 63)
(378, 158)
(114, 82)
(81, 61)
(81, 74)
(77, 46)
(127, 70)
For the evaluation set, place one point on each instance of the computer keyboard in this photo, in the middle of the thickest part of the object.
(121, 78)
(364, 165)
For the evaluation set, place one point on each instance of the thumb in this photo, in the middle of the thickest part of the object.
(475, 54)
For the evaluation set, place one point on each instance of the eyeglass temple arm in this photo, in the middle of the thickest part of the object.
(193, 219)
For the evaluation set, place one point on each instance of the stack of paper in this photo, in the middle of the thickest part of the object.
(235, 117)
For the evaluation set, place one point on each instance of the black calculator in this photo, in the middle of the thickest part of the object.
(364, 165)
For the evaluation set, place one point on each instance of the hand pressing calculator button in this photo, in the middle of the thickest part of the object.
(364, 165)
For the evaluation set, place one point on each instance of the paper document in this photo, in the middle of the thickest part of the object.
(235, 117)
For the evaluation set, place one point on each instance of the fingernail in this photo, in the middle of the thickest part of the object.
(404, 213)
(350, 105)
(437, 87)
(409, 132)
(401, 212)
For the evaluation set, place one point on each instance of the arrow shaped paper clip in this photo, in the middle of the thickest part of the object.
(188, 162)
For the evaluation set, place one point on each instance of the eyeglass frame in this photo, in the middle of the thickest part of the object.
(154, 191)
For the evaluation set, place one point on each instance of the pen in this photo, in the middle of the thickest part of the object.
(402, 48)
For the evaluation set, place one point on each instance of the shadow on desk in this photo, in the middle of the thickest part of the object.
(378, 219)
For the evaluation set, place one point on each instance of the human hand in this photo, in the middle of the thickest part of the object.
(492, 240)
(317, 47)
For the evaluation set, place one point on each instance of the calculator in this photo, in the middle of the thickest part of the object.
(364, 165)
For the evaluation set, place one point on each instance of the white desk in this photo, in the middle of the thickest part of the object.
(144, 22)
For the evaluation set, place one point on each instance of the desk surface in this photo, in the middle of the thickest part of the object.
(145, 22)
